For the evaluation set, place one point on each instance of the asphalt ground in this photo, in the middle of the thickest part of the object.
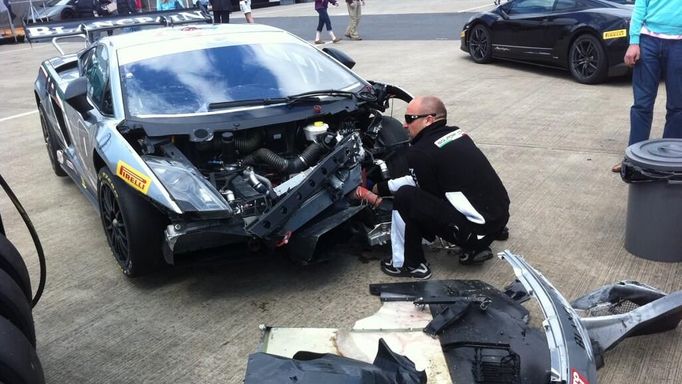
(552, 141)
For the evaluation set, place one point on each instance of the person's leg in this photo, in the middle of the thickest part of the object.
(673, 89)
(423, 215)
(358, 15)
(320, 25)
(350, 20)
(353, 24)
(226, 17)
(645, 79)
(216, 17)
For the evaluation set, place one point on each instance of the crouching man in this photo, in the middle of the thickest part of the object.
(452, 192)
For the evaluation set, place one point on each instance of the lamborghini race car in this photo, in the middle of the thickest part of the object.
(587, 37)
(197, 136)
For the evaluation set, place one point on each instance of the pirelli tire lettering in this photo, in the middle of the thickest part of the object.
(614, 34)
(133, 177)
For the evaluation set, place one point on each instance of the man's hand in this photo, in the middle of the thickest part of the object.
(632, 55)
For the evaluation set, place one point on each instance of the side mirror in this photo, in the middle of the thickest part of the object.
(76, 94)
(340, 56)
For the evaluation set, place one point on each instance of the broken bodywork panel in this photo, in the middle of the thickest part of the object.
(484, 334)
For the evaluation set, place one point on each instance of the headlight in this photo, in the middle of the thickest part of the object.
(186, 186)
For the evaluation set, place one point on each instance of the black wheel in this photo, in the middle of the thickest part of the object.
(480, 44)
(12, 263)
(68, 14)
(587, 60)
(133, 227)
(394, 137)
(15, 308)
(18, 359)
(50, 144)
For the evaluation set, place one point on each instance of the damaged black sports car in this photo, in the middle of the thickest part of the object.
(191, 137)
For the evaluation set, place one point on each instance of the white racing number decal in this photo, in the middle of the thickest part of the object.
(577, 378)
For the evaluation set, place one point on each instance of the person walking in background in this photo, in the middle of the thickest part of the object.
(245, 7)
(323, 20)
(167, 5)
(354, 13)
(221, 11)
(655, 52)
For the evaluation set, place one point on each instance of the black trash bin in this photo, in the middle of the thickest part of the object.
(653, 168)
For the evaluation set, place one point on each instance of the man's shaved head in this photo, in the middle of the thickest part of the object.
(432, 104)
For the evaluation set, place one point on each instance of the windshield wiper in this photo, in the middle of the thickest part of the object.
(311, 96)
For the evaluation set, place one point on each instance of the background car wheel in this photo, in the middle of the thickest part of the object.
(18, 359)
(15, 308)
(133, 227)
(480, 44)
(68, 14)
(12, 263)
(587, 60)
(50, 144)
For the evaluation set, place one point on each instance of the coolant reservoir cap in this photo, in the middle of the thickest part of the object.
(657, 154)
(319, 124)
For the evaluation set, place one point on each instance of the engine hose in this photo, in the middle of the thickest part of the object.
(247, 143)
(305, 160)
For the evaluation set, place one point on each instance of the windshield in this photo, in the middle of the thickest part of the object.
(187, 82)
(52, 3)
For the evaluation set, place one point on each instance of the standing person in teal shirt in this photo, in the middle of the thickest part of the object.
(655, 52)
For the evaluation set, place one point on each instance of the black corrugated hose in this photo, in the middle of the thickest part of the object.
(34, 236)
(306, 159)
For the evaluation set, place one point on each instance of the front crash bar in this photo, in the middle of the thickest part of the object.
(322, 177)
(571, 357)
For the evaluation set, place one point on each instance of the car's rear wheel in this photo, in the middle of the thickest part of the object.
(480, 44)
(587, 60)
(50, 144)
(68, 14)
(133, 227)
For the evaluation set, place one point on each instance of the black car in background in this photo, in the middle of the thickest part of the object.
(587, 37)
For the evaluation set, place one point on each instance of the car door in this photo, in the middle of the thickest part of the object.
(519, 34)
(95, 68)
(560, 24)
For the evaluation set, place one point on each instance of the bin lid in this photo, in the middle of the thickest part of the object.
(657, 154)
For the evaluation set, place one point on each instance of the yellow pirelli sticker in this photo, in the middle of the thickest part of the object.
(133, 177)
(615, 34)
(461, 34)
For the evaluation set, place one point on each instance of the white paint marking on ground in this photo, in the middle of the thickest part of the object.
(474, 8)
(17, 116)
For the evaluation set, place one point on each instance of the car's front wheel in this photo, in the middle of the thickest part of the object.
(587, 60)
(480, 44)
(133, 227)
(50, 144)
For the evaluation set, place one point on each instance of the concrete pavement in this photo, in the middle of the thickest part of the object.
(552, 141)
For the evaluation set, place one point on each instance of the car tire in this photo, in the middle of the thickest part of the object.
(480, 44)
(394, 137)
(50, 144)
(133, 227)
(67, 14)
(15, 308)
(19, 362)
(12, 264)
(587, 60)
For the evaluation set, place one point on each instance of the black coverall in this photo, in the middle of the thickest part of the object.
(453, 192)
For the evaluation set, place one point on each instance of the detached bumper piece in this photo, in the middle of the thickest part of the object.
(316, 368)
(483, 334)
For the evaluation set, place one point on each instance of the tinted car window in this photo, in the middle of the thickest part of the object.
(95, 65)
(564, 5)
(187, 82)
(530, 6)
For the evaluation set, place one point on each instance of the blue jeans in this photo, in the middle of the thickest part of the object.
(323, 20)
(659, 58)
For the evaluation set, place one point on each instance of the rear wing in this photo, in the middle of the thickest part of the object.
(85, 27)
